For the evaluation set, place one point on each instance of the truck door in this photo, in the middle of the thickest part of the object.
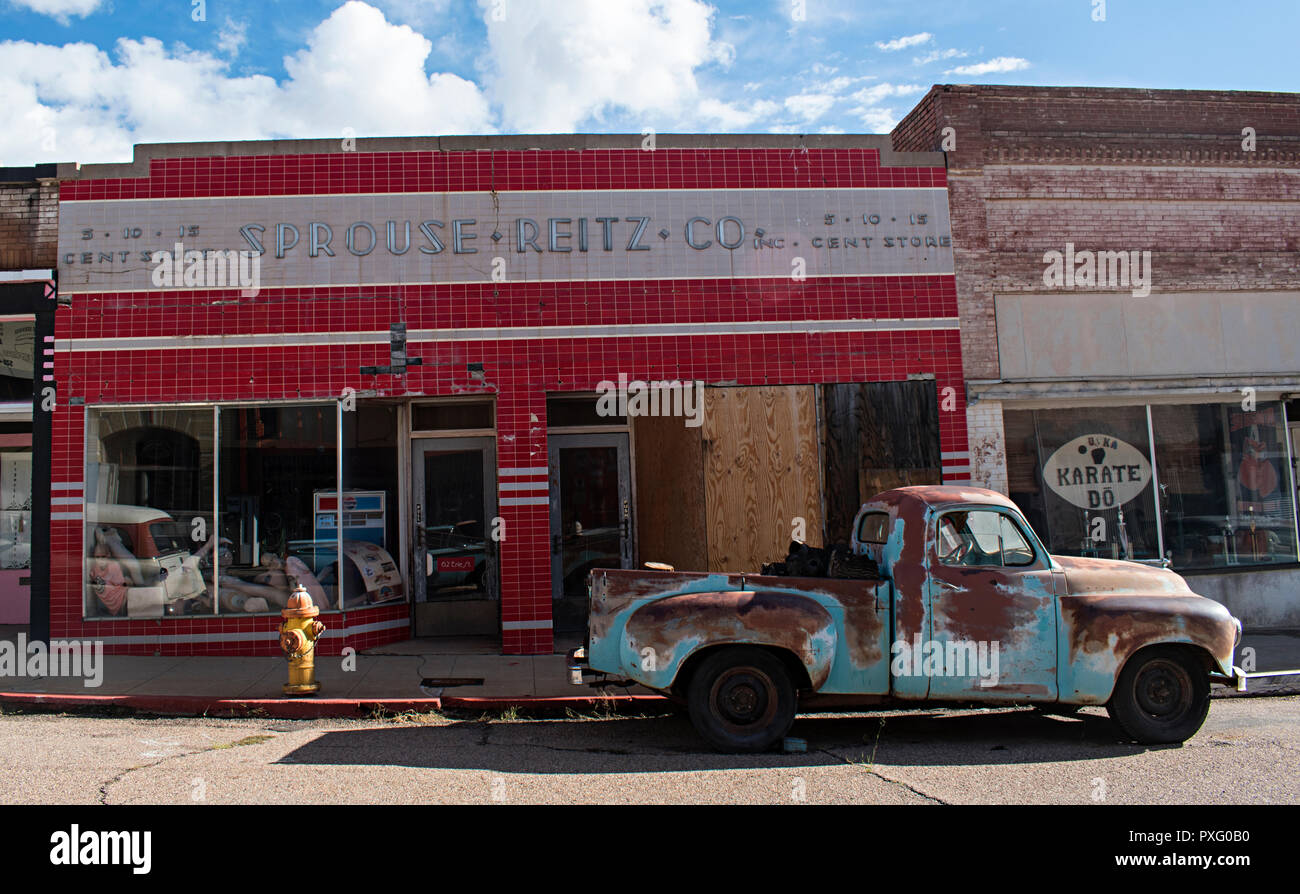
(992, 609)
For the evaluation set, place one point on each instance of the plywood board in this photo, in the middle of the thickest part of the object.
(761, 471)
(670, 516)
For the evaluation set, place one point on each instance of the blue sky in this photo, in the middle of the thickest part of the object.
(83, 80)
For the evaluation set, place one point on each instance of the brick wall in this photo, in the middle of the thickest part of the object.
(1161, 170)
(29, 216)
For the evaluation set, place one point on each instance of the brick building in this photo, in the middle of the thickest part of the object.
(1128, 276)
(433, 331)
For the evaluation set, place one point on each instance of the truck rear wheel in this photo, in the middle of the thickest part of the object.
(741, 699)
(1162, 696)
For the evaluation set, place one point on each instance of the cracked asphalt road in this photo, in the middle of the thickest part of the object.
(1246, 753)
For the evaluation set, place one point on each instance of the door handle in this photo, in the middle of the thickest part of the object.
(428, 564)
(955, 588)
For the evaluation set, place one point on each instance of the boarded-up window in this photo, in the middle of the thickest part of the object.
(878, 436)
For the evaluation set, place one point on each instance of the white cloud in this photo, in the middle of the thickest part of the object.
(75, 102)
(902, 43)
(726, 116)
(557, 64)
(232, 37)
(875, 93)
(809, 106)
(876, 118)
(1000, 64)
(61, 9)
(937, 55)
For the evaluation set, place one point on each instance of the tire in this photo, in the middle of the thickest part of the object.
(741, 700)
(1162, 696)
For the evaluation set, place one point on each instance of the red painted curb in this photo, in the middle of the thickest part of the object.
(200, 705)
(309, 708)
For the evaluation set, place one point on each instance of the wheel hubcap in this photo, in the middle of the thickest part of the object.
(1164, 690)
(743, 697)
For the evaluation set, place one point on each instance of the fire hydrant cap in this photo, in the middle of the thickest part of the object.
(300, 605)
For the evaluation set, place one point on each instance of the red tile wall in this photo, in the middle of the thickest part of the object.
(519, 372)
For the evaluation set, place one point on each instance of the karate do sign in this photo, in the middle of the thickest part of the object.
(1097, 472)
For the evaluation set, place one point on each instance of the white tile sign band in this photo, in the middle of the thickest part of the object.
(411, 238)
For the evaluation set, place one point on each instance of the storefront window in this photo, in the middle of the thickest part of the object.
(1083, 478)
(1225, 494)
(149, 534)
(372, 572)
(15, 502)
(154, 546)
(278, 486)
(17, 356)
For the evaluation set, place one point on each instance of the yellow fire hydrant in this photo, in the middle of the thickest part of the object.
(299, 631)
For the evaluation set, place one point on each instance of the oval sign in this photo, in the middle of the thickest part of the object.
(1097, 472)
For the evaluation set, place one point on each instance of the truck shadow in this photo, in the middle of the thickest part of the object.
(669, 743)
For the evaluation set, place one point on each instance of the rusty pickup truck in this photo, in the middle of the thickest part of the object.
(967, 607)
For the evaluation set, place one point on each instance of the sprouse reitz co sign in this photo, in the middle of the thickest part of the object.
(567, 235)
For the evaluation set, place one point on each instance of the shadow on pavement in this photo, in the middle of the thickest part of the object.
(669, 743)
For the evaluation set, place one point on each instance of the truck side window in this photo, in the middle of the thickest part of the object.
(981, 537)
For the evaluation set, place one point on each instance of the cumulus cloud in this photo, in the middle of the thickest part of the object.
(902, 43)
(936, 55)
(60, 9)
(734, 116)
(554, 65)
(992, 66)
(875, 117)
(357, 71)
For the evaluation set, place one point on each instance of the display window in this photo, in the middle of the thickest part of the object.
(226, 510)
(1202, 486)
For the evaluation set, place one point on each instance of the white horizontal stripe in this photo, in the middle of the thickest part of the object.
(524, 501)
(505, 333)
(956, 454)
(524, 485)
(956, 470)
(533, 470)
(67, 485)
(66, 501)
(64, 516)
(480, 281)
(526, 625)
(254, 636)
(26, 275)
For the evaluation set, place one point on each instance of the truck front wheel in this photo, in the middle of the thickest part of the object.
(1162, 696)
(741, 699)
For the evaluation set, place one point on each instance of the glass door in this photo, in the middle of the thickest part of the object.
(454, 502)
(591, 517)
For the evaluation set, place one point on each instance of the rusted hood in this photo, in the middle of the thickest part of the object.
(1087, 577)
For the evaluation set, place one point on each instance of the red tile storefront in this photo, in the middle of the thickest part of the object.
(784, 333)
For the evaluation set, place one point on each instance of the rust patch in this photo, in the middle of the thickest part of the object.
(991, 611)
(749, 616)
(862, 622)
(1135, 621)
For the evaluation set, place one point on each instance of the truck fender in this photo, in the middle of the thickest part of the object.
(1099, 633)
(661, 635)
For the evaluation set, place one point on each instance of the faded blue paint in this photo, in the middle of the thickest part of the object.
(1043, 654)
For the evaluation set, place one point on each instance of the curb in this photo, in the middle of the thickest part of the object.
(310, 708)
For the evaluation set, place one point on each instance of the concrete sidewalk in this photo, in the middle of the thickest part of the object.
(464, 674)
